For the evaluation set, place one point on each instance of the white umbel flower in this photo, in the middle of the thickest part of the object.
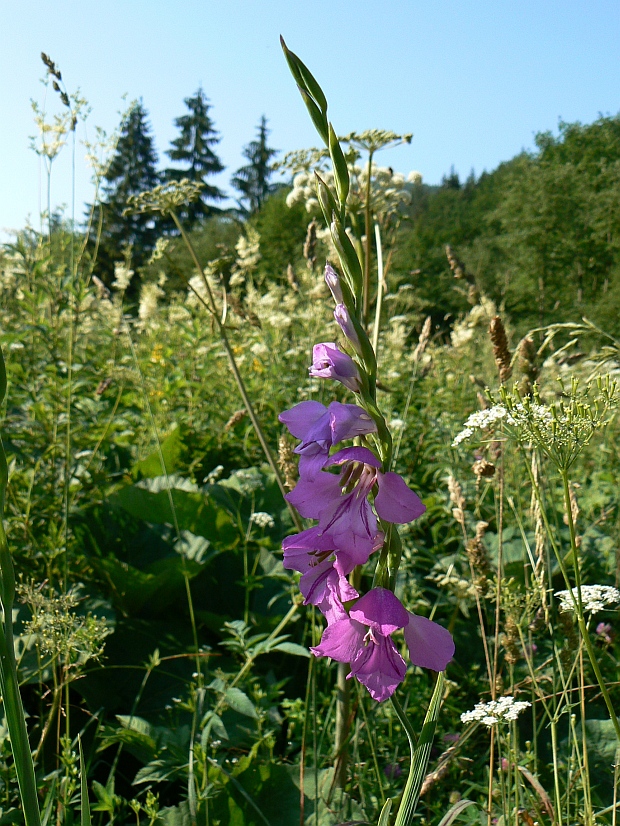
(262, 519)
(594, 598)
(501, 710)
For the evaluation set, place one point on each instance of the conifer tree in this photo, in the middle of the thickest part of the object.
(252, 181)
(193, 149)
(131, 171)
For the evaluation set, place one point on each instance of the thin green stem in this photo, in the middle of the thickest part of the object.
(368, 251)
(235, 371)
(420, 752)
(579, 606)
(9, 683)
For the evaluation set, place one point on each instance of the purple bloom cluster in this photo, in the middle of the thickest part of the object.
(336, 490)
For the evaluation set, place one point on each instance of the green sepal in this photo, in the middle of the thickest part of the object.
(395, 552)
(326, 199)
(304, 77)
(348, 257)
(318, 118)
(341, 170)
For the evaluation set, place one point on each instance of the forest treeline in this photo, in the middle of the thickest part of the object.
(539, 235)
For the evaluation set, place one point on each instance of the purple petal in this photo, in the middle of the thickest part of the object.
(300, 549)
(332, 280)
(350, 525)
(349, 557)
(349, 420)
(302, 417)
(354, 454)
(380, 610)
(430, 645)
(312, 462)
(311, 496)
(343, 319)
(342, 641)
(380, 668)
(396, 502)
(321, 581)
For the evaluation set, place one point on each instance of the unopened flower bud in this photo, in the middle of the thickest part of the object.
(332, 279)
(341, 314)
(329, 362)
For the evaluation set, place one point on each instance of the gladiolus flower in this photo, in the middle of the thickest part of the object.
(320, 427)
(329, 362)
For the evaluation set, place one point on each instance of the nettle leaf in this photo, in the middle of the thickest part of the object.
(240, 702)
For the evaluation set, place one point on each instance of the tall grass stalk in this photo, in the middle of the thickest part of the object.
(12, 701)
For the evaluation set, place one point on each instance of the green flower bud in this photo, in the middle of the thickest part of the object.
(341, 170)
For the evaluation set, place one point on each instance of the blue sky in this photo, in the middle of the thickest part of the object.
(474, 81)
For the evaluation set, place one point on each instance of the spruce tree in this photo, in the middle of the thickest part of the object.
(193, 149)
(131, 171)
(252, 181)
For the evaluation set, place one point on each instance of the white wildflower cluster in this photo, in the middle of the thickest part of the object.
(531, 420)
(495, 711)
(388, 189)
(122, 277)
(594, 598)
(477, 319)
(149, 296)
(480, 420)
(214, 475)
(248, 256)
(197, 288)
(248, 479)
(262, 519)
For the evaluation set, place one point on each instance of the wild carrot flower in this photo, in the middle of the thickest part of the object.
(594, 598)
(495, 711)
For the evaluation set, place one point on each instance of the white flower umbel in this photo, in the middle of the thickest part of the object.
(594, 598)
(480, 420)
(262, 519)
(501, 710)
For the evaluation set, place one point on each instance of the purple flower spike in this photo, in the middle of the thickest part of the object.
(341, 314)
(329, 362)
(320, 427)
(430, 645)
(332, 279)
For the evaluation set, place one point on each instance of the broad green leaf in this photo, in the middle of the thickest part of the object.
(171, 448)
(240, 702)
(292, 648)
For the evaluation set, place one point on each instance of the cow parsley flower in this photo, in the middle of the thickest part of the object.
(594, 598)
(501, 710)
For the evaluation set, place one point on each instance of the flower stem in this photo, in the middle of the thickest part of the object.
(236, 374)
(420, 753)
(9, 683)
(580, 618)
